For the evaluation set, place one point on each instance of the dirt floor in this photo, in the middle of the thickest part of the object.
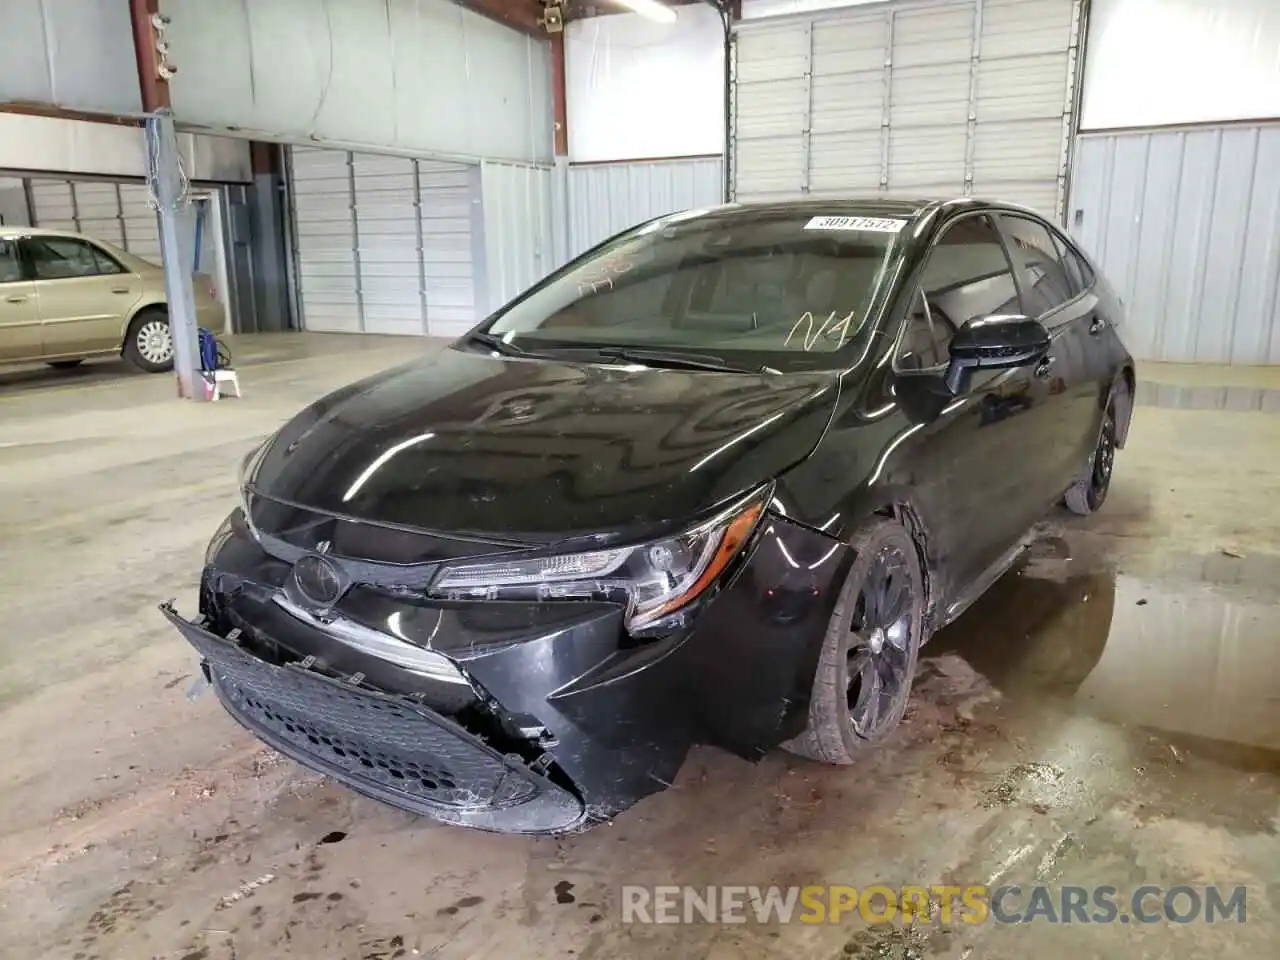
(1107, 714)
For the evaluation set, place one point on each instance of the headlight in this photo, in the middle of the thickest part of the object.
(653, 579)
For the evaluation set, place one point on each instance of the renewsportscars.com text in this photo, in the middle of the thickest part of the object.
(973, 904)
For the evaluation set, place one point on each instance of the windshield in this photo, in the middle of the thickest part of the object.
(781, 287)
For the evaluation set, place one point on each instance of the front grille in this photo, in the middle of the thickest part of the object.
(363, 736)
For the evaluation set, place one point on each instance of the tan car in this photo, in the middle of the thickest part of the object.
(65, 297)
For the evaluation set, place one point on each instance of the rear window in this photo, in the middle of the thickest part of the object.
(777, 284)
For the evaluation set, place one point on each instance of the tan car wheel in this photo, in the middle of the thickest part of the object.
(149, 344)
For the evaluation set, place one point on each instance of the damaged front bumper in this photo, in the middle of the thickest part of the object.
(383, 746)
(537, 717)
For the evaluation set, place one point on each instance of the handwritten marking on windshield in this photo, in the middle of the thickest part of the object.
(827, 327)
(601, 275)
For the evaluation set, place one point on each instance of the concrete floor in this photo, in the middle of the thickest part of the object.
(1107, 714)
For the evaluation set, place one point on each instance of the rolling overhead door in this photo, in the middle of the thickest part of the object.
(950, 97)
(383, 244)
(323, 211)
(118, 213)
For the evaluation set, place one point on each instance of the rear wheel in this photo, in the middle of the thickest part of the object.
(65, 364)
(1089, 491)
(868, 660)
(149, 344)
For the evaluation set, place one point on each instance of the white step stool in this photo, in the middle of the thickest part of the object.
(223, 381)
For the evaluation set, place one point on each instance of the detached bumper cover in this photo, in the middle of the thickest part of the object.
(384, 746)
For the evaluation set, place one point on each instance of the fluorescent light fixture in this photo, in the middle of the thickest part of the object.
(651, 10)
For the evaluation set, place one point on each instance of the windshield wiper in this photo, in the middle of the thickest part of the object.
(675, 361)
(495, 343)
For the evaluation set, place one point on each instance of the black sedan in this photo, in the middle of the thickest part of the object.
(715, 481)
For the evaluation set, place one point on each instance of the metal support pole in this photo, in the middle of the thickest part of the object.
(169, 187)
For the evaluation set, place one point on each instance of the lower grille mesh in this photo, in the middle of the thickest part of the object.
(364, 734)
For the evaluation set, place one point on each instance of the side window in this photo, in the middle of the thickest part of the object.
(1034, 251)
(10, 265)
(966, 276)
(62, 258)
(1077, 269)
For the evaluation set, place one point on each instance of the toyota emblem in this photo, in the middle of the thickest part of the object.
(319, 580)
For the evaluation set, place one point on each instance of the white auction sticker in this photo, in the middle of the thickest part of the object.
(870, 224)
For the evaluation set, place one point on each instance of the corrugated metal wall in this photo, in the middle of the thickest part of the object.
(606, 198)
(519, 232)
(1186, 225)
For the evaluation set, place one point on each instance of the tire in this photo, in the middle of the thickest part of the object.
(886, 562)
(145, 343)
(65, 364)
(1089, 491)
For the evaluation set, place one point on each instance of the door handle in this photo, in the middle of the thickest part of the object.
(1097, 325)
(1044, 367)
(16, 299)
(119, 289)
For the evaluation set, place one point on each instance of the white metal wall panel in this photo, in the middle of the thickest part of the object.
(906, 99)
(360, 74)
(1186, 226)
(446, 193)
(518, 234)
(605, 199)
(328, 276)
(386, 204)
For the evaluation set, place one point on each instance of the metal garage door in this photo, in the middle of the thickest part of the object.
(950, 97)
(118, 213)
(383, 243)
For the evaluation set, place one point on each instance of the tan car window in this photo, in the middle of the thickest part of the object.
(10, 267)
(60, 258)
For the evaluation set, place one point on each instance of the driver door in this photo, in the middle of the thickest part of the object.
(975, 456)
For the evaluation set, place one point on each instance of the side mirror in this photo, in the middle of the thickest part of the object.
(995, 342)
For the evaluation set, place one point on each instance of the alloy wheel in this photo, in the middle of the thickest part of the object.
(1104, 458)
(878, 663)
(155, 342)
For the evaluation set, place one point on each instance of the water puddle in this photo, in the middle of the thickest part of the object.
(1189, 647)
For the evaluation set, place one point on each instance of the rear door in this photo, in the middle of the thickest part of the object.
(19, 321)
(82, 294)
(1064, 391)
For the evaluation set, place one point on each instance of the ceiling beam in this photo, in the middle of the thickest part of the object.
(521, 15)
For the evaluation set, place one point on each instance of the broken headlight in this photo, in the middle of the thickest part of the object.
(653, 579)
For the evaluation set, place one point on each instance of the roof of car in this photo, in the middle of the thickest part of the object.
(20, 231)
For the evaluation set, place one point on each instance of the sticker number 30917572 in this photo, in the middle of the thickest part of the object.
(866, 224)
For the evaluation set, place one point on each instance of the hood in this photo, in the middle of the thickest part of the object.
(534, 449)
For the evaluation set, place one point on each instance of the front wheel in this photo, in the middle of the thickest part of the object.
(1090, 488)
(149, 344)
(868, 660)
